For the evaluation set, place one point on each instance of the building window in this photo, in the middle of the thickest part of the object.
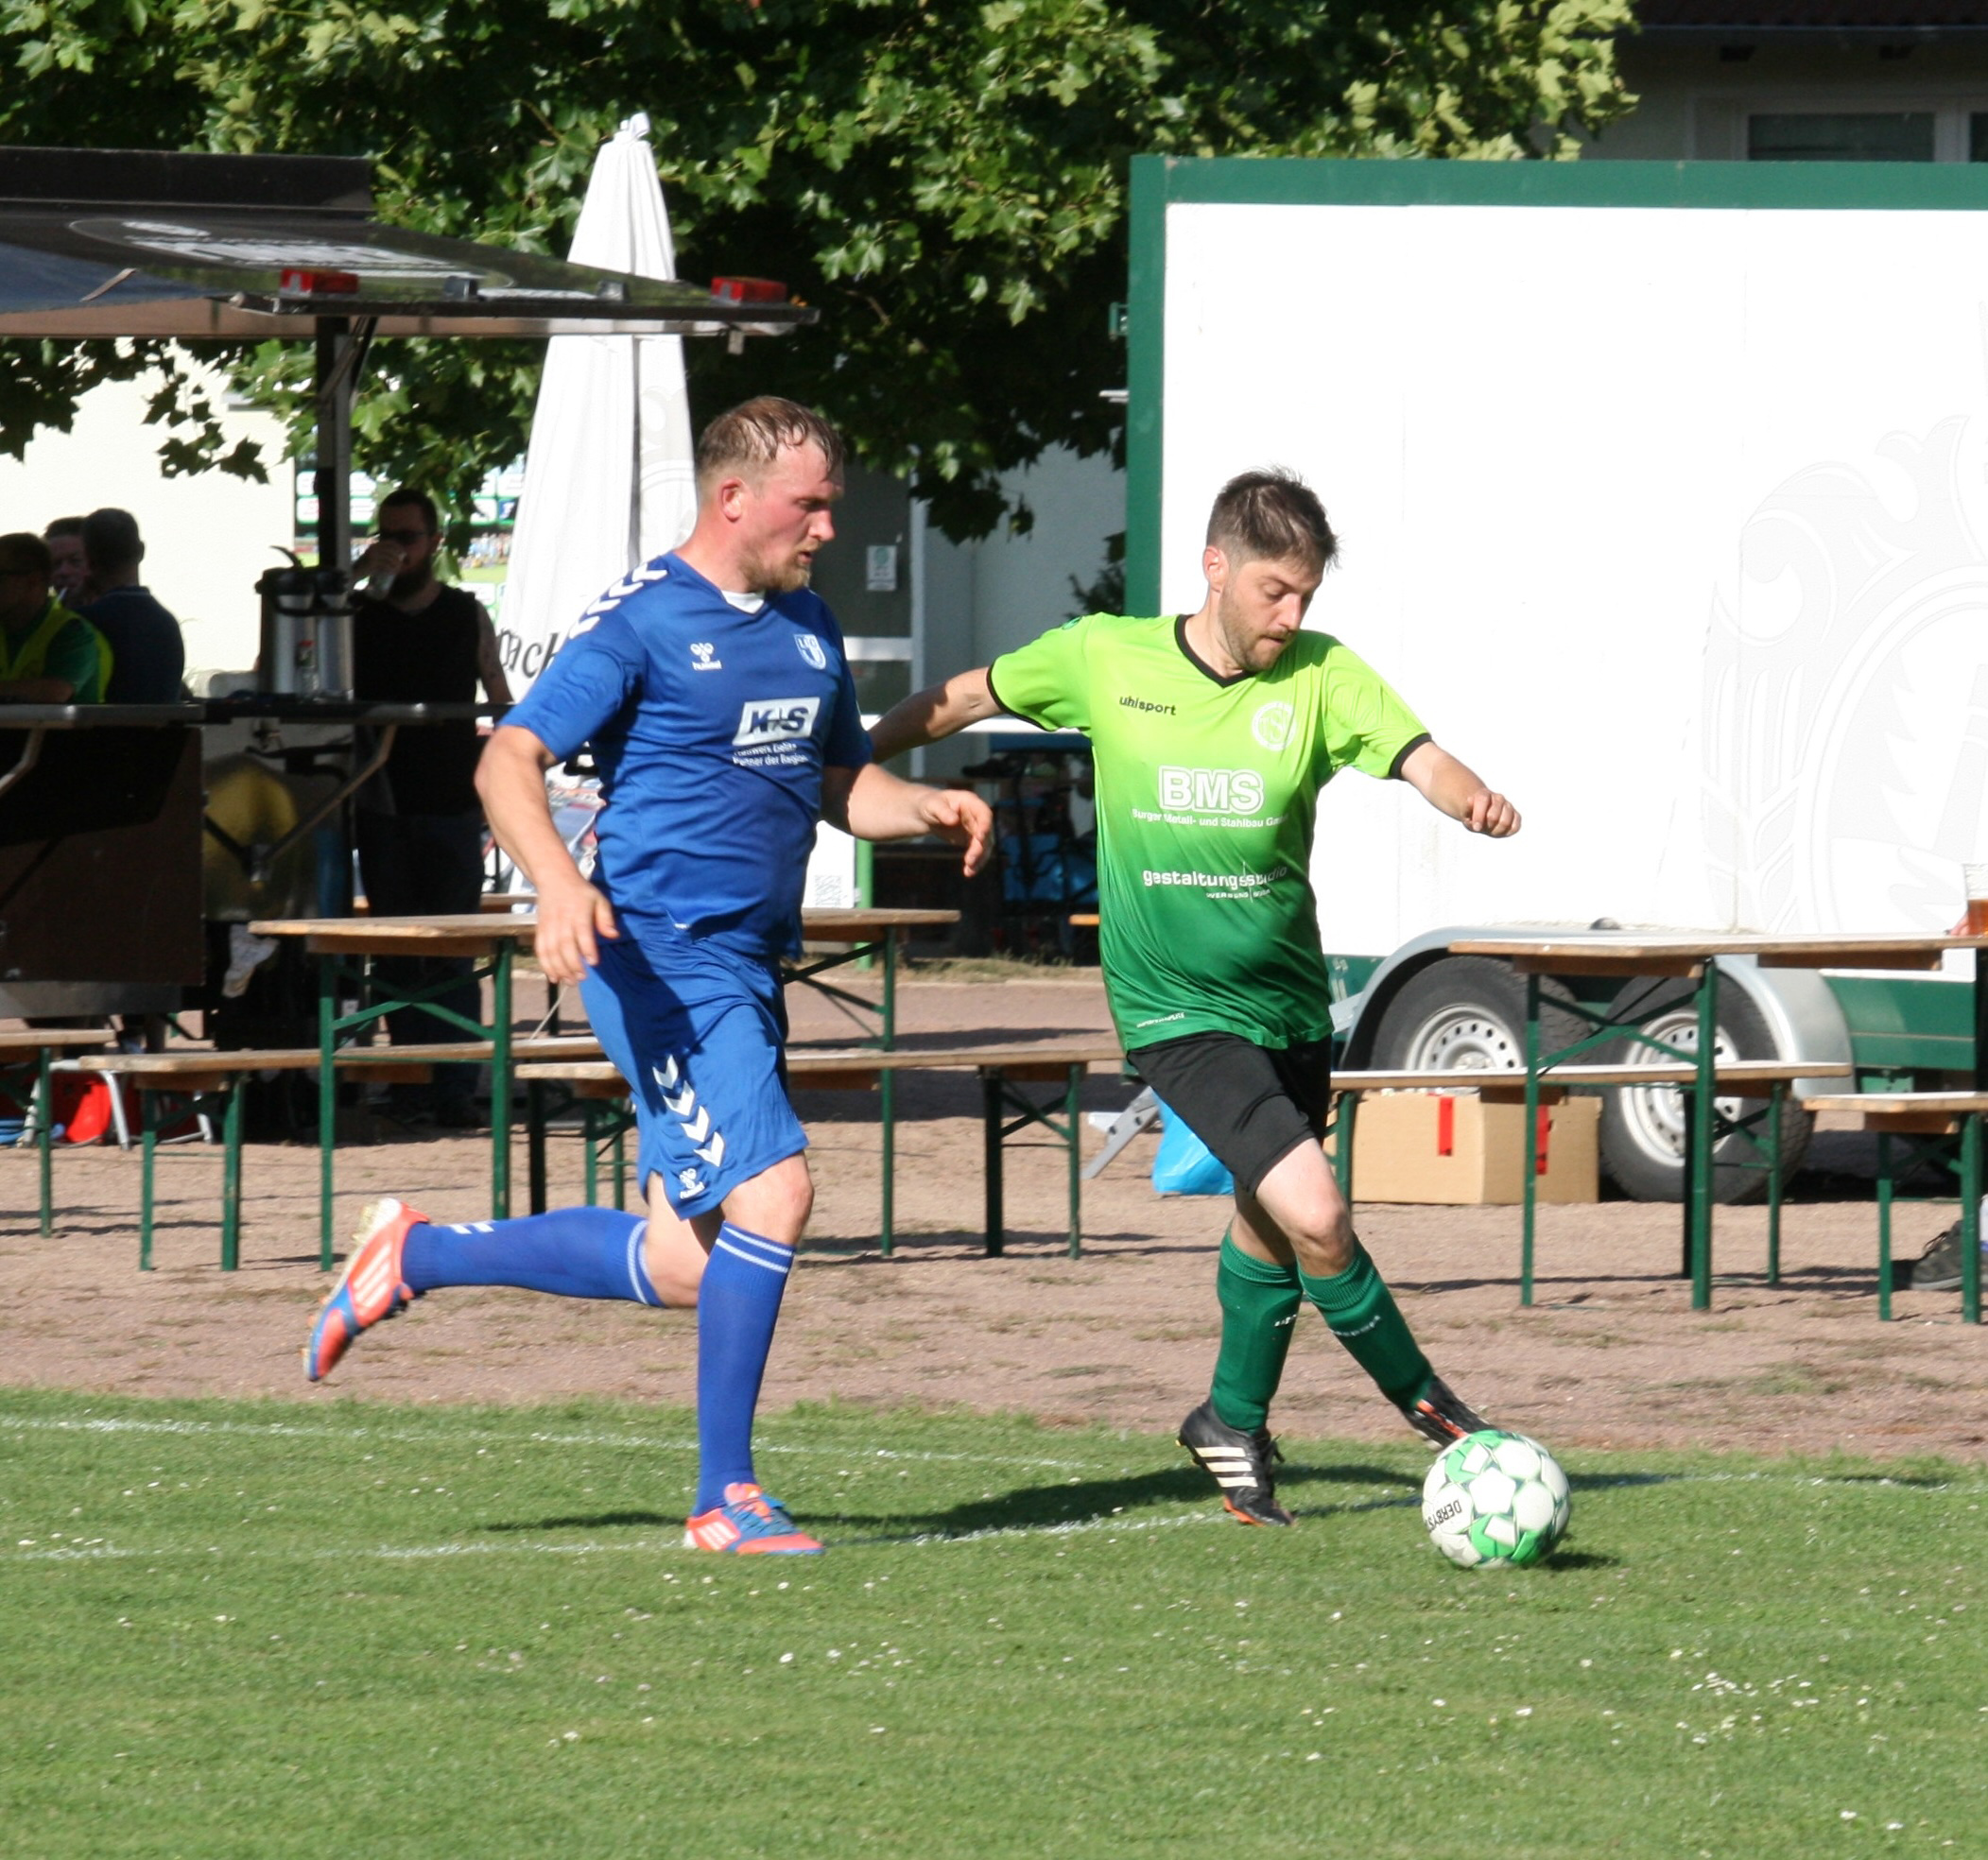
(1903, 136)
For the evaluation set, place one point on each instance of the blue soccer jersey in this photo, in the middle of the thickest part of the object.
(711, 727)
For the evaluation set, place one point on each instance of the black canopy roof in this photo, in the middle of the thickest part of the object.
(121, 242)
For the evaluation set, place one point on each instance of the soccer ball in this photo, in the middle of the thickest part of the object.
(1496, 1501)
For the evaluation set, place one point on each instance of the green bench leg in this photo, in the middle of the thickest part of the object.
(535, 1146)
(589, 1143)
(991, 1107)
(887, 1109)
(1884, 1227)
(1073, 1120)
(44, 1136)
(1704, 1134)
(231, 1176)
(618, 1151)
(1344, 1116)
(1528, 1138)
(500, 1082)
(1776, 1096)
(148, 1146)
(1971, 1219)
(327, 1103)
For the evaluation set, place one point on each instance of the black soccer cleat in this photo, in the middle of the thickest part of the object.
(1239, 1462)
(1441, 1417)
(1938, 1269)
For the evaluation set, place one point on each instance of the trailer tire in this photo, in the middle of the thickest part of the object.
(1467, 1012)
(1642, 1128)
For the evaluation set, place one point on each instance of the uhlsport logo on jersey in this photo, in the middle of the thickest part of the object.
(1211, 790)
(775, 720)
(812, 650)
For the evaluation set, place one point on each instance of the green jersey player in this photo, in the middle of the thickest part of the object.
(1213, 733)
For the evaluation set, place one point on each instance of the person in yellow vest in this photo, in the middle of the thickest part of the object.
(48, 654)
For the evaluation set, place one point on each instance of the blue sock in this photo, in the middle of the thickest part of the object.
(737, 1307)
(575, 1252)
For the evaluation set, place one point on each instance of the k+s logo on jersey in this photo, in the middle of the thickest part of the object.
(811, 649)
(776, 720)
(1211, 790)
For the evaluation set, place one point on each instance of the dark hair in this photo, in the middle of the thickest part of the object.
(1271, 515)
(62, 526)
(25, 553)
(753, 434)
(406, 497)
(111, 539)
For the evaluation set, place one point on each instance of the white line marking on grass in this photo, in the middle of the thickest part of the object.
(291, 1430)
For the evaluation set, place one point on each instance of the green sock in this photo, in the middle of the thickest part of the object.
(1259, 1309)
(1360, 1311)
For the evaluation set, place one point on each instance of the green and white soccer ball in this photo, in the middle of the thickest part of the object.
(1496, 1501)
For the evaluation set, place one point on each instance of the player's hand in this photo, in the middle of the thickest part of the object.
(1490, 814)
(571, 916)
(960, 816)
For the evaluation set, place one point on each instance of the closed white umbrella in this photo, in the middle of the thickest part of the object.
(608, 483)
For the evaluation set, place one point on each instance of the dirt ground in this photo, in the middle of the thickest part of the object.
(1611, 1355)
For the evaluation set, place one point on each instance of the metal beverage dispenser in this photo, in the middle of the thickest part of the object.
(306, 634)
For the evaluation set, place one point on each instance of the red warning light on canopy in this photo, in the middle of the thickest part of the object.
(298, 281)
(747, 290)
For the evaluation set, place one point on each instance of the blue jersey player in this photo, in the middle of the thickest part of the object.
(714, 690)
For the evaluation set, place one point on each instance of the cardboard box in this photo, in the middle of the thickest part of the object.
(1454, 1149)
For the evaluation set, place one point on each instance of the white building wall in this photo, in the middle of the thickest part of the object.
(207, 538)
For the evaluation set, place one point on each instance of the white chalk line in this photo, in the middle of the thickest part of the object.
(1386, 1499)
(292, 1430)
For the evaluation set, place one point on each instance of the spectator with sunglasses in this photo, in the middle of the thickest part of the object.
(420, 825)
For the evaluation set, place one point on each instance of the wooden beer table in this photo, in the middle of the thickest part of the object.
(1691, 959)
(345, 945)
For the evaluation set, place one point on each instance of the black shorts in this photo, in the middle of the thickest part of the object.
(1251, 1105)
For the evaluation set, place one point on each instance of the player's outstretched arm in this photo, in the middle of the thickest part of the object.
(1451, 788)
(872, 804)
(511, 781)
(940, 710)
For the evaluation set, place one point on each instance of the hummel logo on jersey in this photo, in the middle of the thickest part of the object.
(776, 720)
(703, 657)
(1211, 790)
(689, 1182)
(810, 649)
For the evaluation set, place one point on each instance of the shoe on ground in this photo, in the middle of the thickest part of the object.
(1441, 1417)
(1938, 1269)
(1239, 1461)
(748, 1524)
(370, 1290)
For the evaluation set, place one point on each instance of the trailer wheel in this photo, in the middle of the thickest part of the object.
(1464, 1013)
(1643, 1126)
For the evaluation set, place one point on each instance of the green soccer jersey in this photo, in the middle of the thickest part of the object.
(1207, 790)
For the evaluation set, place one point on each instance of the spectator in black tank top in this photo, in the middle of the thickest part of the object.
(420, 827)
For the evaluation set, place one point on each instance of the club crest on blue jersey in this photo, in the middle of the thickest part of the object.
(810, 649)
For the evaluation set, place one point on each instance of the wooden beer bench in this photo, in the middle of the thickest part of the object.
(1004, 1109)
(162, 1078)
(27, 1057)
(1917, 1118)
(1737, 1077)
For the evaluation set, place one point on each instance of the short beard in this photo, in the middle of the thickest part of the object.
(411, 581)
(1235, 639)
(789, 578)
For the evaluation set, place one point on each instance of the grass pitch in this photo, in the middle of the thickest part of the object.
(265, 1629)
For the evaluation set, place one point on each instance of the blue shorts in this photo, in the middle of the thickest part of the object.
(698, 1034)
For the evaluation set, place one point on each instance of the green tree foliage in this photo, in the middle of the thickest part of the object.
(945, 180)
